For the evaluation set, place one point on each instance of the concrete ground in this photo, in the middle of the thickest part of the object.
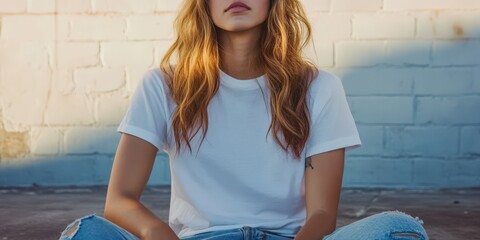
(43, 212)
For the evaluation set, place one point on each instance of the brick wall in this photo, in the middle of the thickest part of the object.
(411, 70)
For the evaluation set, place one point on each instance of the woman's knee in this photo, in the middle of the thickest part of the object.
(73, 228)
(401, 225)
(400, 216)
(91, 227)
(383, 225)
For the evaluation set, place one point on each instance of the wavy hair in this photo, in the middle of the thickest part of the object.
(193, 79)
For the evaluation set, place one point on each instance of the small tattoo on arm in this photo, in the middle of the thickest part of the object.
(308, 162)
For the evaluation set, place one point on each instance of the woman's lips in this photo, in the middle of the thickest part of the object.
(237, 7)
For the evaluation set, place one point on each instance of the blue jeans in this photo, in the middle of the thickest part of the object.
(381, 226)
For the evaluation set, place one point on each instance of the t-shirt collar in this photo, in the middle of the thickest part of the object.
(241, 84)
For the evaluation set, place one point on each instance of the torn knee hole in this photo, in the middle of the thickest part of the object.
(406, 235)
(72, 230)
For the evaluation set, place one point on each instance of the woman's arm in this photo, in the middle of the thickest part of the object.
(131, 170)
(323, 183)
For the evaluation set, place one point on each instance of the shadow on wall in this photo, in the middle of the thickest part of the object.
(416, 104)
(417, 107)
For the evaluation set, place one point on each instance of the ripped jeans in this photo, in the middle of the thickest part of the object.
(381, 226)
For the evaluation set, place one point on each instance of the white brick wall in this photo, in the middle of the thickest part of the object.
(24, 94)
(92, 28)
(28, 28)
(93, 80)
(358, 5)
(9, 6)
(141, 27)
(88, 140)
(383, 26)
(457, 53)
(382, 110)
(410, 68)
(454, 110)
(74, 6)
(45, 140)
(447, 25)
(110, 108)
(44, 6)
(470, 140)
(122, 54)
(395, 5)
(359, 53)
(124, 6)
(31, 54)
(73, 55)
(426, 141)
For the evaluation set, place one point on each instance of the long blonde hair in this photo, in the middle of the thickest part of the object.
(193, 81)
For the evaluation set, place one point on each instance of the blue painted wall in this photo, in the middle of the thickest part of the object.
(418, 113)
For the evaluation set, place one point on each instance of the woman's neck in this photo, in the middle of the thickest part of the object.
(239, 53)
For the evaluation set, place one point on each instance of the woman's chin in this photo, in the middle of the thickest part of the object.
(240, 28)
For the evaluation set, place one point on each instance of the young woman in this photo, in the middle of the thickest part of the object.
(269, 161)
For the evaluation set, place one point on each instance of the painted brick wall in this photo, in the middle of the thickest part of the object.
(411, 70)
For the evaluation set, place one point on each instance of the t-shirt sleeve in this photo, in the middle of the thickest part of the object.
(332, 125)
(146, 115)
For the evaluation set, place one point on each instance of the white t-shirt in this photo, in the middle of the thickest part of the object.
(239, 176)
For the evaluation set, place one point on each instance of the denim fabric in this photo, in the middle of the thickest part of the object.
(95, 227)
(385, 225)
(242, 233)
